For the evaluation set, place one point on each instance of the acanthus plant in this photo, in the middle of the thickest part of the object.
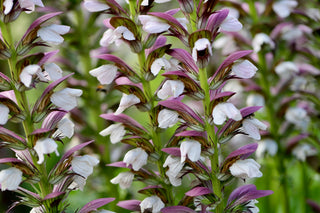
(285, 53)
(161, 86)
(31, 131)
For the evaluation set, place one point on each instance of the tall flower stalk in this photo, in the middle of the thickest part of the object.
(187, 76)
(43, 121)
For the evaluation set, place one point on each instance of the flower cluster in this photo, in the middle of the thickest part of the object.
(45, 121)
(167, 80)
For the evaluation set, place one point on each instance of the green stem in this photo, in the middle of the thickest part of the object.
(22, 100)
(304, 186)
(253, 11)
(212, 139)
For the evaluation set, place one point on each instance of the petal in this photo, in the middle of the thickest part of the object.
(244, 69)
(59, 29)
(66, 127)
(66, 98)
(27, 73)
(49, 36)
(54, 71)
(127, 101)
(94, 6)
(105, 73)
(152, 24)
(4, 114)
(167, 118)
(8, 6)
(45, 146)
(283, 8)
(231, 24)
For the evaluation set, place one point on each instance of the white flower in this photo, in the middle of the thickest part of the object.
(124, 179)
(10, 178)
(171, 88)
(175, 166)
(51, 33)
(313, 13)
(200, 45)
(286, 69)
(255, 100)
(54, 71)
(30, 4)
(190, 148)
(244, 69)
(45, 146)
(105, 73)
(7, 6)
(27, 73)
(302, 151)
(283, 8)
(136, 157)
(261, 39)
(231, 24)
(127, 101)
(153, 203)
(244, 169)
(167, 118)
(66, 98)
(104, 211)
(4, 114)
(151, 24)
(291, 34)
(224, 110)
(78, 183)
(252, 206)
(116, 132)
(298, 116)
(226, 43)
(113, 36)
(268, 146)
(39, 209)
(83, 165)
(94, 6)
(65, 128)
(158, 64)
(251, 127)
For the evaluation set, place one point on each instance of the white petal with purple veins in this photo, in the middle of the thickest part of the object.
(127, 101)
(231, 24)
(244, 69)
(105, 73)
